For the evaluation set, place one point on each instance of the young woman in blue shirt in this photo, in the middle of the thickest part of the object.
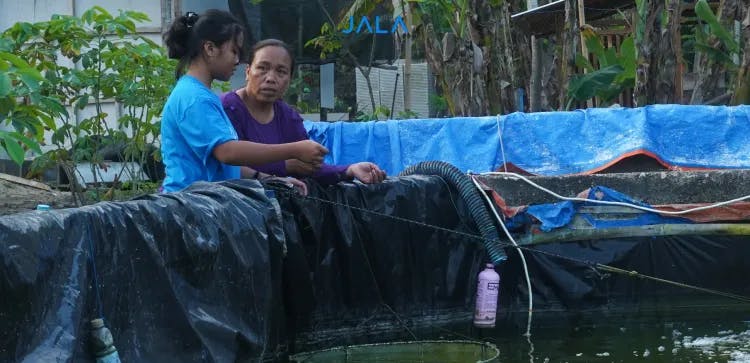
(198, 142)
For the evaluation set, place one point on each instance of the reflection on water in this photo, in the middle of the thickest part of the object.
(694, 333)
(699, 336)
(725, 344)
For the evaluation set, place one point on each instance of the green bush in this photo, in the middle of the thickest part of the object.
(75, 62)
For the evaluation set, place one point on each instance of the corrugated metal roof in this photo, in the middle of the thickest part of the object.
(550, 18)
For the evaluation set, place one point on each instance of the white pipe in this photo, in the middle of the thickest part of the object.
(512, 240)
(622, 204)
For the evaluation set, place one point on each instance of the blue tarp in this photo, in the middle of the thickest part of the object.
(557, 215)
(548, 143)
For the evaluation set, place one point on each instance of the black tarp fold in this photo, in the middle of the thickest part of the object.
(181, 277)
(213, 275)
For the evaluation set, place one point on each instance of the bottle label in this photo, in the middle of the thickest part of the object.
(486, 307)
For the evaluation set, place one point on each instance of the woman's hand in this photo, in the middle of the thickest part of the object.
(300, 168)
(295, 183)
(310, 152)
(366, 172)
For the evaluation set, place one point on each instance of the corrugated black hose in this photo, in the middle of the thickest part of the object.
(471, 197)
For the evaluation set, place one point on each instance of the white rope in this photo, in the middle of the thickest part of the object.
(622, 204)
(500, 136)
(512, 240)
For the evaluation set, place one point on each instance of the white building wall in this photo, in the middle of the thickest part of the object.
(160, 13)
(31, 10)
(383, 82)
(14, 11)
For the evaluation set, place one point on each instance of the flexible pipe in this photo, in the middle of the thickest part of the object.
(472, 198)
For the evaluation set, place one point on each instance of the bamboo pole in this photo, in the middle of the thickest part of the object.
(656, 230)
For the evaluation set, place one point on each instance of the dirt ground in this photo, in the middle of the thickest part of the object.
(16, 198)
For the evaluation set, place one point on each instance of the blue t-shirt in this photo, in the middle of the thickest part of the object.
(193, 123)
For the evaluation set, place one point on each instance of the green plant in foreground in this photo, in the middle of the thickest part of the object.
(21, 107)
(114, 64)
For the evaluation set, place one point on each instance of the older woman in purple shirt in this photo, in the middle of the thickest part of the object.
(259, 115)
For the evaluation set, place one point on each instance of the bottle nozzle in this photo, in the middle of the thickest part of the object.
(97, 323)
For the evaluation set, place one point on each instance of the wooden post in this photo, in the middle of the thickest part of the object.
(535, 88)
(581, 23)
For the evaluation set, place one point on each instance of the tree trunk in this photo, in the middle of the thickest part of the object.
(493, 30)
(459, 68)
(669, 59)
(707, 86)
(742, 84)
(570, 39)
(451, 62)
(479, 73)
(522, 50)
(550, 59)
(549, 71)
(644, 90)
(658, 70)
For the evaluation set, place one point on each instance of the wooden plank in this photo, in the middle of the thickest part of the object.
(26, 182)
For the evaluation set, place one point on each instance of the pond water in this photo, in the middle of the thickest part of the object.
(705, 334)
(701, 333)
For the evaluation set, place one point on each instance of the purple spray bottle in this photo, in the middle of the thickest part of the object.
(487, 292)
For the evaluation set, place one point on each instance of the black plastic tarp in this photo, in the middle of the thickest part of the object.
(372, 273)
(182, 277)
(213, 275)
(210, 275)
(563, 276)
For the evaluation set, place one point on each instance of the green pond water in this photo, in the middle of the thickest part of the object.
(700, 336)
(698, 333)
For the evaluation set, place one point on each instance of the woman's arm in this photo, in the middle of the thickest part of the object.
(238, 152)
(247, 172)
(365, 172)
(325, 173)
(250, 173)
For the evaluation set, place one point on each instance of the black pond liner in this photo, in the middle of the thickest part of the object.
(212, 275)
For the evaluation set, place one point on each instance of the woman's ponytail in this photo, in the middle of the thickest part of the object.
(185, 36)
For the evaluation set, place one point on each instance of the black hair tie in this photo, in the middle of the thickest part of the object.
(190, 19)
